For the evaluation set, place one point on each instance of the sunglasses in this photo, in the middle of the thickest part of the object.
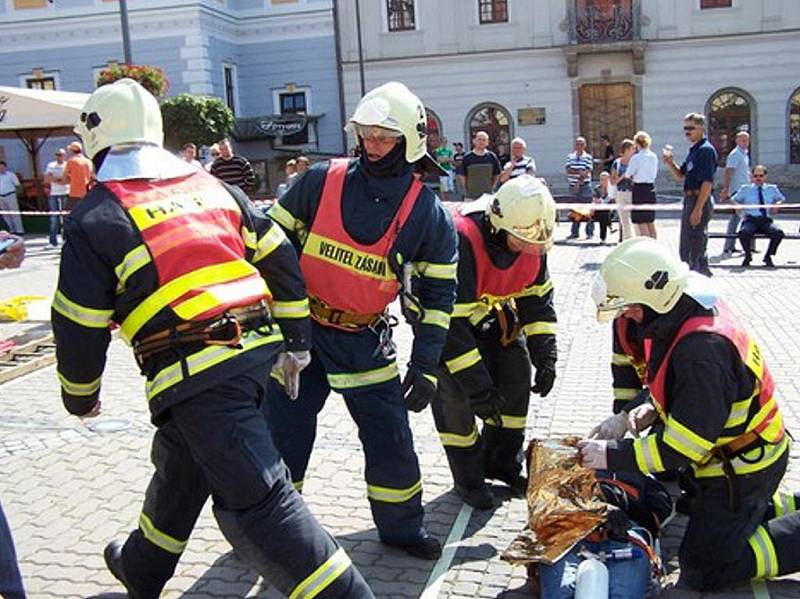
(758, 176)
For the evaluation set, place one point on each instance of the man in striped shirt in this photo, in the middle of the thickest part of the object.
(232, 169)
(520, 163)
(579, 174)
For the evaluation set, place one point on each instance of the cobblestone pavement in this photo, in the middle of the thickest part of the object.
(67, 490)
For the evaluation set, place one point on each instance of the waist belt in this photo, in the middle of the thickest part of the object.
(226, 329)
(325, 314)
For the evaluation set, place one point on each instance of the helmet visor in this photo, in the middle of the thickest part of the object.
(375, 133)
(608, 306)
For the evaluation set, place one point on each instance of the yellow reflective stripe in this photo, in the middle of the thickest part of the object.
(755, 360)
(456, 440)
(297, 485)
(285, 218)
(205, 359)
(762, 414)
(648, 458)
(249, 238)
(349, 380)
(213, 296)
(540, 328)
(322, 577)
(774, 428)
(165, 207)
(738, 414)
(133, 261)
(79, 389)
(753, 461)
(514, 422)
(433, 270)
(625, 393)
(158, 537)
(463, 361)
(621, 360)
(290, 309)
(341, 255)
(765, 554)
(536, 290)
(269, 243)
(436, 318)
(784, 503)
(685, 441)
(86, 317)
(214, 274)
(389, 495)
(432, 379)
(465, 310)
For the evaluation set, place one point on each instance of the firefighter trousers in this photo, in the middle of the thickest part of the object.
(217, 443)
(723, 547)
(394, 485)
(495, 452)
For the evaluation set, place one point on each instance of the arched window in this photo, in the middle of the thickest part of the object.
(496, 121)
(729, 111)
(434, 129)
(794, 128)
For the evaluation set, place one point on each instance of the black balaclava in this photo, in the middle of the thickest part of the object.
(391, 165)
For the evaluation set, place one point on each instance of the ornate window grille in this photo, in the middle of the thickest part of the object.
(728, 113)
(401, 15)
(493, 11)
(602, 21)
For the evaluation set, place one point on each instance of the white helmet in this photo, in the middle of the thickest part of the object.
(118, 113)
(524, 208)
(642, 271)
(392, 106)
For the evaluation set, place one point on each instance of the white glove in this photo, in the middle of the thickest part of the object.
(593, 454)
(614, 428)
(641, 417)
(290, 364)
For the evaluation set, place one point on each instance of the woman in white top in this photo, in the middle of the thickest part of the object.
(624, 188)
(642, 170)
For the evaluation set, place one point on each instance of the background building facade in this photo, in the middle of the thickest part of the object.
(272, 61)
(549, 70)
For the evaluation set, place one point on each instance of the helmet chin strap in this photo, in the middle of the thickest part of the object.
(391, 165)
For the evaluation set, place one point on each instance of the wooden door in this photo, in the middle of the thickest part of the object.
(606, 109)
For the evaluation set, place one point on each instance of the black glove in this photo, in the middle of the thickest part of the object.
(419, 388)
(543, 380)
(488, 405)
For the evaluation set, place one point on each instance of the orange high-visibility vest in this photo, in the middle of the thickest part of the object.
(634, 351)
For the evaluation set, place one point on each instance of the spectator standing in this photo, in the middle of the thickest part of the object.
(232, 169)
(757, 220)
(623, 196)
(8, 199)
(213, 154)
(480, 168)
(59, 192)
(697, 175)
(579, 176)
(458, 159)
(642, 171)
(737, 173)
(302, 165)
(608, 154)
(601, 196)
(520, 163)
(78, 174)
(290, 170)
(444, 157)
(189, 155)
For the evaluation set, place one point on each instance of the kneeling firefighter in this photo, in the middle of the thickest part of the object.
(208, 291)
(356, 224)
(503, 321)
(716, 399)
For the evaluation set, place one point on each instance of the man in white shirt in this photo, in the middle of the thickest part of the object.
(737, 173)
(59, 192)
(8, 199)
(643, 170)
(520, 163)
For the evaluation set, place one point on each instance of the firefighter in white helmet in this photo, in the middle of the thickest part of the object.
(208, 291)
(356, 224)
(503, 323)
(713, 393)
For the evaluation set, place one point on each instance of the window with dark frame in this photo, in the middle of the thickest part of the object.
(294, 103)
(493, 11)
(230, 94)
(794, 128)
(400, 14)
(41, 83)
(715, 4)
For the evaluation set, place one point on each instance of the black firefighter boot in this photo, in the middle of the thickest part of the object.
(504, 457)
(113, 557)
(467, 467)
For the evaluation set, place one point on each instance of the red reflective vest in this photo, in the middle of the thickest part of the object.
(191, 227)
(339, 271)
(767, 423)
(491, 282)
(633, 350)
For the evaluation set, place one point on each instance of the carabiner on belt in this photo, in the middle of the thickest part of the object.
(386, 348)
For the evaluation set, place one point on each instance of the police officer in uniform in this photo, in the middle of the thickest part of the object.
(714, 394)
(358, 224)
(208, 291)
(503, 321)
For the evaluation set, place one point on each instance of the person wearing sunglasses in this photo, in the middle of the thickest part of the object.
(697, 175)
(765, 197)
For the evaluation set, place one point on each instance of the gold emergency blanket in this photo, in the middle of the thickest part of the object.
(564, 503)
